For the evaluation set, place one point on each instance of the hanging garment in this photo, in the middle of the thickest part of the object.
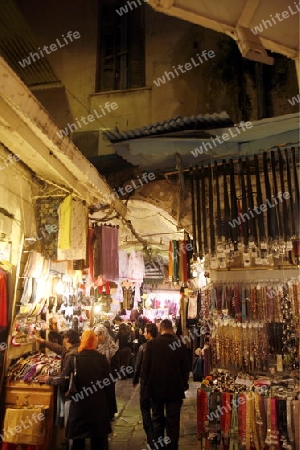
(136, 267)
(3, 299)
(47, 221)
(110, 254)
(119, 294)
(27, 291)
(97, 255)
(183, 314)
(123, 265)
(34, 265)
(78, 234)
(90, 247)
(65, 217)
(192, 307)
(137, 294)
(127, 298)
(175, 251)
(170, 261)
(184, 258)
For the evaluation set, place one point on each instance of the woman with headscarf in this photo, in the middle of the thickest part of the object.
(109, 348)
(89, 412)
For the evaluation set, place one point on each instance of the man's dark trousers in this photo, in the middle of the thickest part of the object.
(145, 406)
(169, 421)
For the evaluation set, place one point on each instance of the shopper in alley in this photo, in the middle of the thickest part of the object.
(124, 340)
(71, 341)
(110, 349)
(89, 412)
(165, 374)
(150, 333)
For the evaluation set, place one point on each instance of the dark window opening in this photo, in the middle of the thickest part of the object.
(121, 61)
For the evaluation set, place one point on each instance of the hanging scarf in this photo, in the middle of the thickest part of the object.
(108, 347)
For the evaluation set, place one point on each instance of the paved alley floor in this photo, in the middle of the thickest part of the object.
(128, 432)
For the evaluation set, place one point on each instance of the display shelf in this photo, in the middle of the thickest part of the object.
(20, 394)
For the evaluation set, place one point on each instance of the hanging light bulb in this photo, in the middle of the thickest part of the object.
(97, 309)
(60, 288)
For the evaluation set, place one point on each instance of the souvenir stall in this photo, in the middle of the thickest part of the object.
(66, 276)
(249, 310)
(161, 304)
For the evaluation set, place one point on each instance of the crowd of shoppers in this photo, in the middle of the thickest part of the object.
(91, 363)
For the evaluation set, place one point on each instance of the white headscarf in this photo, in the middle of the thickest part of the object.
(108, 347)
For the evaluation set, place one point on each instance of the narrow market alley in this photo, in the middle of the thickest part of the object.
(128, 433)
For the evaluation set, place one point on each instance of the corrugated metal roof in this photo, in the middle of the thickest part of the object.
(179, 123)
(17, 41)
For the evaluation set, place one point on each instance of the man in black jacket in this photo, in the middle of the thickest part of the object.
(71, 341)
(165, 374)
(151, 332)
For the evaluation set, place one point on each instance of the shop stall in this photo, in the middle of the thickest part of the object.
(248, 312)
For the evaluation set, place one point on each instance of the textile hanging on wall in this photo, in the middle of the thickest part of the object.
(96, 251)
(90, 258)
(46, 211)
(3, 299)
(104, 249)
(78, 226)
(136, 267)
(110, 254)
(123, 265)
(65, 216)
(178, 261)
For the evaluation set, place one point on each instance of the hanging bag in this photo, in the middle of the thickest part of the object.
(28, 425)
(72, 380)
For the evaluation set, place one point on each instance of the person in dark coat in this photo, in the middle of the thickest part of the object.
(165, 374)
(71, 340)
(151, 332)
(111, 332)
(89, 413)
(124, 340)
(108, 347)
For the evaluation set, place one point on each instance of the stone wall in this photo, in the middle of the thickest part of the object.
(246, 90)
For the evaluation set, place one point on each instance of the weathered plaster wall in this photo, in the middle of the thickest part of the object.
(74, 64)
(226, 82)
(15, 198)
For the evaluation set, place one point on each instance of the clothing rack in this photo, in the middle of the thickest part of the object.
(98, 222)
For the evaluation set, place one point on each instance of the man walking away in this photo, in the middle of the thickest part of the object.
(71, 341)
(150, 333)
(165, 374)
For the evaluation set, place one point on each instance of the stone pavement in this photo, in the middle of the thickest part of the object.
(128, 432)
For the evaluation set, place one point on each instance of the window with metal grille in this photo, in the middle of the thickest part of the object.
(121, 61)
